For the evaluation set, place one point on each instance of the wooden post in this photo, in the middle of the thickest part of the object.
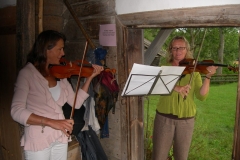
(236, 142)
(134, 53)
(40, 16)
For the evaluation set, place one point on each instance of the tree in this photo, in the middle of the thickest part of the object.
(220, 49)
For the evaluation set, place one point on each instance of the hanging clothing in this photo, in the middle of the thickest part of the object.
(91, 147)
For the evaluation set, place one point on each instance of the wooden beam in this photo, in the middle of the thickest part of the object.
(25, 30)
(156, 45)
(226, 15)
(134, 50)
(122, 107)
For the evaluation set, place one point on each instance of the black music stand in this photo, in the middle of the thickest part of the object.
(151, 80)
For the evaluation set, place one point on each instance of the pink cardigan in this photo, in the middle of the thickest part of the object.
(32, 95)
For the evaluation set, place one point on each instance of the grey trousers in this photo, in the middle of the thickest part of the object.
(168, 132)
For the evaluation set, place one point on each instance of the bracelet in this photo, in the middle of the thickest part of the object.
(208, 77)
(42, 125)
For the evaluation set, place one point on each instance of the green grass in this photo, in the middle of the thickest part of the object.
(214, 125)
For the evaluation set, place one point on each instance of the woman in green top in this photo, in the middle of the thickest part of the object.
(174, 121)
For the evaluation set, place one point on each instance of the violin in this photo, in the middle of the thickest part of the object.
(66, 69)
(201, 66)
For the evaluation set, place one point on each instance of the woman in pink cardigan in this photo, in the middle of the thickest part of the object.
(39, 97)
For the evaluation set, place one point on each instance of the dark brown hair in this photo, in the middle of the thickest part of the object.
(45, 41)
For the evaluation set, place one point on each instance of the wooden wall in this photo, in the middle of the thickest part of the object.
(9, 130)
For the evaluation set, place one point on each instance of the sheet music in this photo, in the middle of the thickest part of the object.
(142, 78)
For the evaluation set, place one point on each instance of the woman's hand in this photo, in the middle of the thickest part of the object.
(97, 70)
(183, 90)
(65, 125)
(211, 71)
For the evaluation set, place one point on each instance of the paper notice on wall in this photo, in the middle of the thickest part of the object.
(107, 35)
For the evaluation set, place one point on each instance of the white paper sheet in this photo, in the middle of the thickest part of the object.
(142, 77)
(107, 35)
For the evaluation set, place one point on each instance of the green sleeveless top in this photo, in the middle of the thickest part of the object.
(176, 105)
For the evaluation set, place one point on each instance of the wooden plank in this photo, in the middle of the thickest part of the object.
(25, 30)
(122, 106)
(9, 138)
(53, 15)
(8, 20)
(9, 130)
(53, 22)
(53, 8)
(8, 16)
(40, 16)
(236, 142)
(97, 7)
(226, 15)
(134, 53)
(156, 45)
(81, 1)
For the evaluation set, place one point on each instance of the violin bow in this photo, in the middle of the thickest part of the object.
(78, 82)
(195, 64)
(194, 68)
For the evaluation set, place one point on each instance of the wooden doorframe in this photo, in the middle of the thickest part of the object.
(214, 16)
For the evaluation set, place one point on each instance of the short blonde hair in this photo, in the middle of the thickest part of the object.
(189, 53)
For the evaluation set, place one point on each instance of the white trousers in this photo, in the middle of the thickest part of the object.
(56, 151)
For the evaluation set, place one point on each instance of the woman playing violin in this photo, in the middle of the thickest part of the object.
(174, 120)
(38, 98)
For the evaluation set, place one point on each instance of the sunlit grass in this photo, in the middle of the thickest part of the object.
(214, 125)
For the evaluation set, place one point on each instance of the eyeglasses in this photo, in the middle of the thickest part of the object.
(178, 48)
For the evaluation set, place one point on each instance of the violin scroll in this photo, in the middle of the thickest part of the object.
(234, 69)
(201, 66)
